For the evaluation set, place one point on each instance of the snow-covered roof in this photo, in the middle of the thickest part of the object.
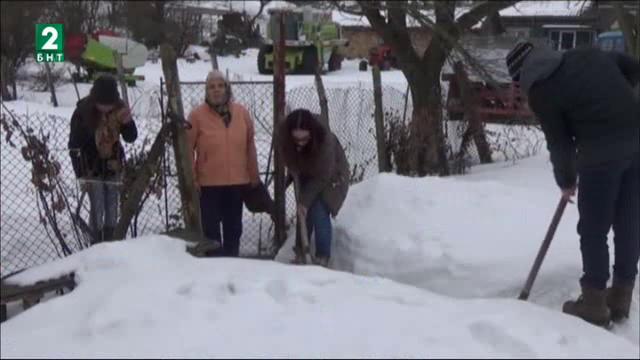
(251, 7)
(546, 8)
(346, 19)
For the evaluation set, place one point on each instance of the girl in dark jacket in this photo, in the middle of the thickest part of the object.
(313, 154)
(96, 153)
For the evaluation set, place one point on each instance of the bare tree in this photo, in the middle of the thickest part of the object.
(389, 20)
(78, 16)
(182, 28)
(156, 22)
(116, 17)
(17, 32)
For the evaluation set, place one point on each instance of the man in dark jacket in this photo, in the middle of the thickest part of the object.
(96, 153)
(585, 102)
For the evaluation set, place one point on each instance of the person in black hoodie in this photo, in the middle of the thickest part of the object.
(585, 102)
(96, 153)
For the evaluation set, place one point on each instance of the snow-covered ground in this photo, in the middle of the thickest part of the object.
(147, 297)
(473, 236)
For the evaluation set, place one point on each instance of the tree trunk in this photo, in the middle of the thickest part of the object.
(184, 157)
(141, 183)
(322, 96)
(427, 140)
(13, 69)
(15, 87)
(52, 89)
(384, 164)
(4, 79)
(214, 56)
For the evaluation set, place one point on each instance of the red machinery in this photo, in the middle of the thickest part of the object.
(503, 105)
(383, 57)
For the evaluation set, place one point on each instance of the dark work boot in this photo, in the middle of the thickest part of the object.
(591, 306)
(619, 299)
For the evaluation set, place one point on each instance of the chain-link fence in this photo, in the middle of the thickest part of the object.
(38, 227)
(38, 195)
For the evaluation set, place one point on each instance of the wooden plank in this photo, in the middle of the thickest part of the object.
(183, 155)
(12, 292)
(279, 104)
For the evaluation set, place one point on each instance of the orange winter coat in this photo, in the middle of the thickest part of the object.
(223, 156)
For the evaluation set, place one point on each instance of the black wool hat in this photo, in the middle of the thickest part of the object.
(515, 58)
(105, 90)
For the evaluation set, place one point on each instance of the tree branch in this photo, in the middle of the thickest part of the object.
(351, 10)
(480, 11)
(455, 45)
(395, 36)
(263, 3)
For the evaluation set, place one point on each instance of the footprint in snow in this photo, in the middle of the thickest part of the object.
(496, 337)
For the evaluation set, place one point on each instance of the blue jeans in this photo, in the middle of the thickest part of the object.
(103, 198)
(319, 222)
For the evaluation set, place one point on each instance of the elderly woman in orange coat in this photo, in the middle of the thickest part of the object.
(225, 161)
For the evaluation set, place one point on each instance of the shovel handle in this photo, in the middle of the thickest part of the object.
(303, 223)
(524, 294)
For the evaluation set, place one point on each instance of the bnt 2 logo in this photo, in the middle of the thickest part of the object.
(49, 43)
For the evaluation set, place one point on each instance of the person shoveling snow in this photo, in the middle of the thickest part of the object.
(585, 103)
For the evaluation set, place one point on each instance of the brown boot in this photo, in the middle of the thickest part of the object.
(619, 299)
(591, 306)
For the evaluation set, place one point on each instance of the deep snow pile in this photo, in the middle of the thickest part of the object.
(474, 236)
(147, 297)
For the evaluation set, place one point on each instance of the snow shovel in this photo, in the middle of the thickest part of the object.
(306, 250)
(524, 294)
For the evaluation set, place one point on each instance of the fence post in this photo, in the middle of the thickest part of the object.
(123, 85)
(278, 117)
(54, 99)
(75, 85)
(213, 55)
(383, 161)
(165, 167)
(184, 157)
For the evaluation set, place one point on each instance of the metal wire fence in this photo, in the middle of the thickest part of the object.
(27, 232)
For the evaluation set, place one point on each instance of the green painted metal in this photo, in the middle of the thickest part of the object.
(292, 58)
(300, 34)
(99, 55)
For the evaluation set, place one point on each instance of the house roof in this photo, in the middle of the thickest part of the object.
(345, 19)
(546, 8)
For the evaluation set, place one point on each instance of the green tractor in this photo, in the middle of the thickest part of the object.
(310, 37)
